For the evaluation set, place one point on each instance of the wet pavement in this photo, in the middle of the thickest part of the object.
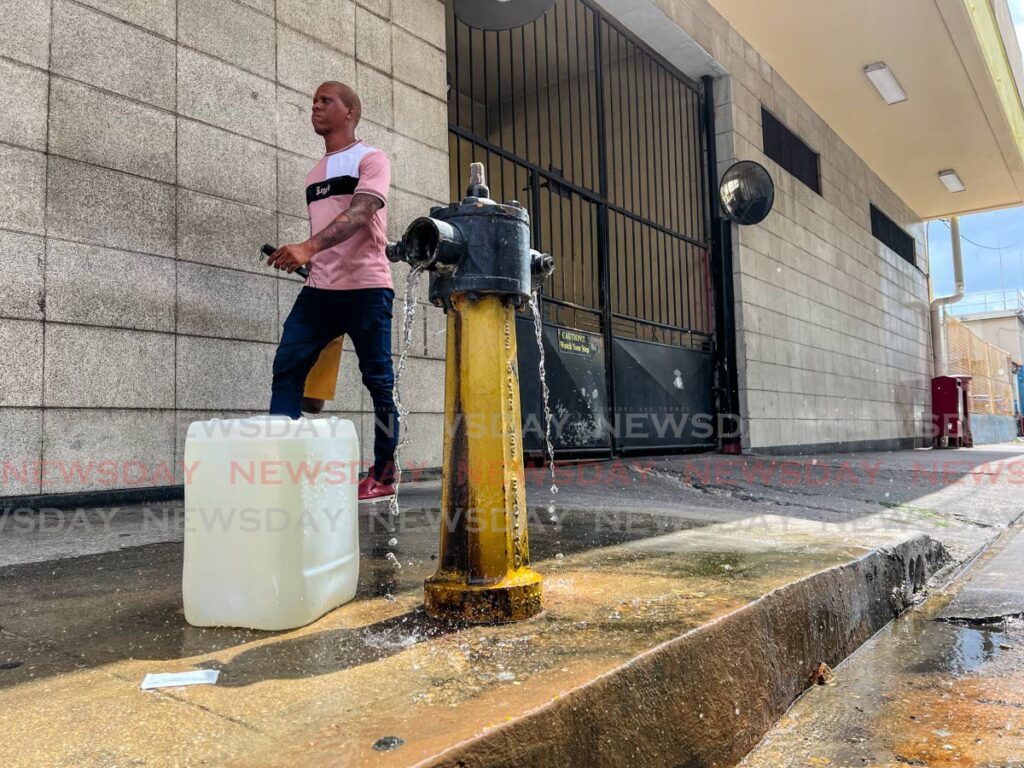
(635, 554)
(996, 589)
(926, 691)
(84, 631)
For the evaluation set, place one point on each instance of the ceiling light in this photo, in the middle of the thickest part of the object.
(952, 181)
(883, 79)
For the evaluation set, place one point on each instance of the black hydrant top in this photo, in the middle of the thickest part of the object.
(477, 247)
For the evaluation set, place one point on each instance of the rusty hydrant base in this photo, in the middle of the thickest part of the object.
(447, 596)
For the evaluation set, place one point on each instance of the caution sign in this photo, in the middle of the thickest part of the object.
(575, 343)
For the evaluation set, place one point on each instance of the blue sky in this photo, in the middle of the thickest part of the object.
(997, 265)
(1001, 263)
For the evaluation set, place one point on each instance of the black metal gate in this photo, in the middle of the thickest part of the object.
(602, 141)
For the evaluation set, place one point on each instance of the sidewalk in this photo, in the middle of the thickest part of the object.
(692, 590)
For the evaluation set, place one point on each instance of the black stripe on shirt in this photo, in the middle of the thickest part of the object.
(339, 185)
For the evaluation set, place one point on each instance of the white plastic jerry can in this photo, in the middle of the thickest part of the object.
(271, 521)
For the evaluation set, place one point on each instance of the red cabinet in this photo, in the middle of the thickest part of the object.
(951, 413)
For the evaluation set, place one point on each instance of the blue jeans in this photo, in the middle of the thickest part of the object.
(320, 316)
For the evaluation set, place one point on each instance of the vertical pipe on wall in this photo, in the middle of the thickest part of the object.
(603, 246)
(939, 304)
(726, 377)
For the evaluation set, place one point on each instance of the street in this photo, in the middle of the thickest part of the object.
(942, 686)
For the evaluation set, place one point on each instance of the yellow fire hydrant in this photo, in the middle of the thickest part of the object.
(482, 268)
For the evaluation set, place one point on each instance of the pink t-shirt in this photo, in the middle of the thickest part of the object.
(360, 261)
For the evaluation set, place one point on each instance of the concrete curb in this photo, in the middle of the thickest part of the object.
(708, 697)
(114, 497)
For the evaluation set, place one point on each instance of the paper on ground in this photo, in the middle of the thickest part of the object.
(172, 679)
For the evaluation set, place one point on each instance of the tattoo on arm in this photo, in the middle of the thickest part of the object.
(358, 215)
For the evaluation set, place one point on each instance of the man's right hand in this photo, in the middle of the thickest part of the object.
(291, 257)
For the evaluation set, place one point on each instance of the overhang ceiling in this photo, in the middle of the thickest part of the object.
(954, 117)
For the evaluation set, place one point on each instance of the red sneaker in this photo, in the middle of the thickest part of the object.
(370, 489)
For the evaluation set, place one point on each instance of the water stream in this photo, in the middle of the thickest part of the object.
(538, 331)
(412, 283)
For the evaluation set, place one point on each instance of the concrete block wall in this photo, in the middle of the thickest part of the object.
(147, 149)
(833, 327)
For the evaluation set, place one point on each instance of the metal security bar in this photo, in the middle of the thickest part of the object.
(601, 140)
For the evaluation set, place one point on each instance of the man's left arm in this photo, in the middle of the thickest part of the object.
(355, 217)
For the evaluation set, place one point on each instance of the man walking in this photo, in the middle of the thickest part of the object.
(349, 289)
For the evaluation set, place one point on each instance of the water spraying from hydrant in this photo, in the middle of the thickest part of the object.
(482, 268)
(538, 331)
(412, 283)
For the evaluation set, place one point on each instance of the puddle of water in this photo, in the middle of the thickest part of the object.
(917, 644)
(955, 649)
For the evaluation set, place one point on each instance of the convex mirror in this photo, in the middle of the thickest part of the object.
(747, 193)
(500, 14)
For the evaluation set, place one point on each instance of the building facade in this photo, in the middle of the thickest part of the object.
(997, 317)
(150, 149)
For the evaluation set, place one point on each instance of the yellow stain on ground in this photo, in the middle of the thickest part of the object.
(323, 694)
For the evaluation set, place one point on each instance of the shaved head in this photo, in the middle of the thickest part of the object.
(335, 114)
(347, 95)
